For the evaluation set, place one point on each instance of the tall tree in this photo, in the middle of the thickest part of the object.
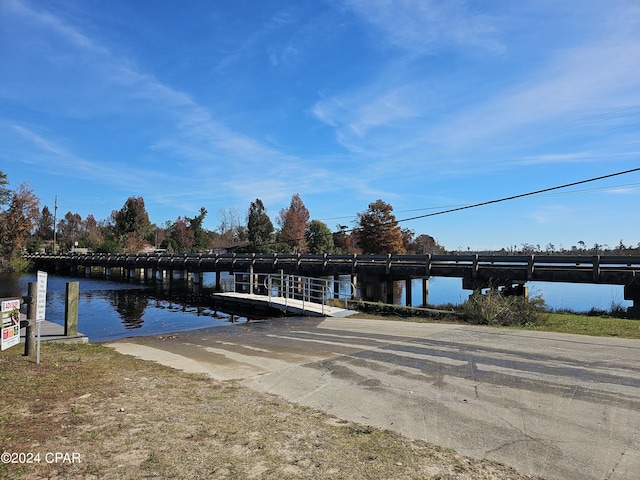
(344, 240)
(293, 223)
(230, 231)
(17, 222)
(259, 228)
(182, 236)
(426, 244)
(200, 237)
(319, 238)
(378, 230)
(69, 230)
(132, 224)
(92, 235)
(5, 193)
(44, 227)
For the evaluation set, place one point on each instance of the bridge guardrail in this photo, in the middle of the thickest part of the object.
(622, 270)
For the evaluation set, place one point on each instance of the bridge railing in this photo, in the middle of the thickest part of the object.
(612, 269)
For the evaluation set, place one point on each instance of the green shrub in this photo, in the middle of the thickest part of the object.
(494, 308)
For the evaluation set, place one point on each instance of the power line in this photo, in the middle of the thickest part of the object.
(514, 197)
(489, 202)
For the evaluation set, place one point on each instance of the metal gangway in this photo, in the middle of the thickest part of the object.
(296, 293)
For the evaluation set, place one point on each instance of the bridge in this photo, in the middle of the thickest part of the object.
(374, 276)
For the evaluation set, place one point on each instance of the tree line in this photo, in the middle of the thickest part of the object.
(24, 226)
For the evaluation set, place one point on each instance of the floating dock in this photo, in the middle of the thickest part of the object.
(287, 305)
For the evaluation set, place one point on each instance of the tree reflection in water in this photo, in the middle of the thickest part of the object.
(130, 305)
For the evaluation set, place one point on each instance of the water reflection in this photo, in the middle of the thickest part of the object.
(130, 305)
(109, 310)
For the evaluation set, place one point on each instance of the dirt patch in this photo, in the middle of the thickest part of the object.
(118, 417)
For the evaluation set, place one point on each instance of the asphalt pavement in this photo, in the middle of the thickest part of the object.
(553, 405)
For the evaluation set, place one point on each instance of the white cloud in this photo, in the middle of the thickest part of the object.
(601, 75)
(428, 26)
(365, 119)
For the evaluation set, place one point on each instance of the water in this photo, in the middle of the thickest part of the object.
(558, 296)
(109, 310)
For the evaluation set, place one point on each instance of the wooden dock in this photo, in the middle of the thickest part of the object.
(52, 332)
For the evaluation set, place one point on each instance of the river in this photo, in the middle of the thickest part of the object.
(110, 310)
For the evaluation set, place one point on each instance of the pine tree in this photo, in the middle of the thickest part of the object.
(259, 227)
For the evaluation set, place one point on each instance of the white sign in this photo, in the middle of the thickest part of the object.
(41, 296)
(10, 323)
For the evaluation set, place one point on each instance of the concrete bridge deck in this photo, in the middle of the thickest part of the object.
(374, 275)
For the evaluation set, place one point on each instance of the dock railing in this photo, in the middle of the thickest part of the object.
(298, 288)
(295, 290)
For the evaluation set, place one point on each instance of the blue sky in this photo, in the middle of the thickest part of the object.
(424, 104)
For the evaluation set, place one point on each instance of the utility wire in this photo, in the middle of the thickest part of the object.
(513, 197)
(481, 204)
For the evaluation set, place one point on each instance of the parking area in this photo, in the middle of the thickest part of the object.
(555, 405)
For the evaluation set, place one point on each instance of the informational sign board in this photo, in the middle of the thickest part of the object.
(10, 323)
(41, 296)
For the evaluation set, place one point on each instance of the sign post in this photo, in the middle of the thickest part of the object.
(41, 306)
(10, 323)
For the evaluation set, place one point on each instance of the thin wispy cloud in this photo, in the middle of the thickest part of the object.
(344, 102)
(429, 26)
(190, 134)
(593, 78)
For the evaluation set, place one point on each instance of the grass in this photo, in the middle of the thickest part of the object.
(595, 323)
(129, 419)
(581, 324)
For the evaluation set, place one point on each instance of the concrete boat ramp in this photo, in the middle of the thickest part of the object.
(558, 406)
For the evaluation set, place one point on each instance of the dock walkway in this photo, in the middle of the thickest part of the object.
(53, 332)
(287, 305)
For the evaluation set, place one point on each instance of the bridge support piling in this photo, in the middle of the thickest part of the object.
(107, 273)
(408, 292)
(632, 292)
(516, 290)
(87, 272)
(425, 292)
(198, 278)
(390, 286)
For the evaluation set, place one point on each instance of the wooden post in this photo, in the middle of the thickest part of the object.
(71, 309)
(29, 330)
(354, 282)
